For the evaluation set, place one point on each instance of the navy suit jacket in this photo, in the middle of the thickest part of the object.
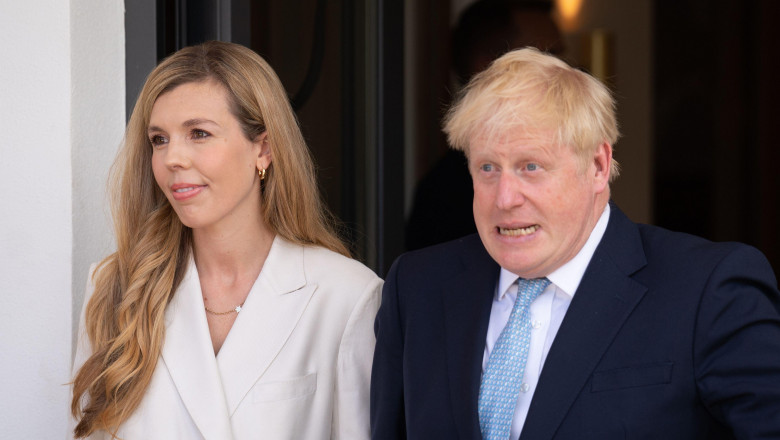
(668, 336)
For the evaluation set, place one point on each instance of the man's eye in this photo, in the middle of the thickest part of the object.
(532, 167)
(486, 167)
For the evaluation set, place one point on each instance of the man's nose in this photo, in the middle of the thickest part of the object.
(509, 193)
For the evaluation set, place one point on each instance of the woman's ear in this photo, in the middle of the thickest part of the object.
(264, 151)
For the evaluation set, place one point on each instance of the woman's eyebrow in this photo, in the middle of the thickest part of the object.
(188, 123)
(197, 121)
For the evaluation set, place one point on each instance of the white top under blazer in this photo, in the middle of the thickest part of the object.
(295, 365)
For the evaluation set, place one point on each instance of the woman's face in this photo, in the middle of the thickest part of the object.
(201, 159)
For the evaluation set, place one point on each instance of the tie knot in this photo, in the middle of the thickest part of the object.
(530, 289)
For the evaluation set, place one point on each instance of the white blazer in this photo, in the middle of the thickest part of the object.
(295, 365)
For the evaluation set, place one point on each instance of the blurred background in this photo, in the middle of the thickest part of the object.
(696, 83)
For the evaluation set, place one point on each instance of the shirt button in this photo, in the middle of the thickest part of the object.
(525, 387)
(537, 324)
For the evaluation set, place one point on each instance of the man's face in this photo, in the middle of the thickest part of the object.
(535, 202)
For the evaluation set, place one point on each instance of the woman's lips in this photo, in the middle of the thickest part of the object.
(184, 191)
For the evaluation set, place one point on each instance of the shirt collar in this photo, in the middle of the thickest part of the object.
(567, 277)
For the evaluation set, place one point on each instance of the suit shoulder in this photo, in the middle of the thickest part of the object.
(686, 250)
(443, 259)
(453, 249)
(684, 245)
(324, 265)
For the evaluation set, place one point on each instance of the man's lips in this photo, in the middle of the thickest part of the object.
(184, 191)
(517, 231)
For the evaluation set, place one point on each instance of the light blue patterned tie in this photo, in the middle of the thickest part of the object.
(503, 375)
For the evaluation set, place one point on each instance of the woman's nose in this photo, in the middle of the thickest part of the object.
(177, 154)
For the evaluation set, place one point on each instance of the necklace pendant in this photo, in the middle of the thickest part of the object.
(238, 309)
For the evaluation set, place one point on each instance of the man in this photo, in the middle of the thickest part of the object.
(636, 332)
(485, 30)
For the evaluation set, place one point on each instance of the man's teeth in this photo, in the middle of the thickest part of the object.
(519, 231)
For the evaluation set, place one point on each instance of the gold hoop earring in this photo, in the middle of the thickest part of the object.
(261, 173)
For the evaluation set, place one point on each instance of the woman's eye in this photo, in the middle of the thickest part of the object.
(157, 140)
(199, 134)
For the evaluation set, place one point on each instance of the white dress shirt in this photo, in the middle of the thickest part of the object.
(546, 313)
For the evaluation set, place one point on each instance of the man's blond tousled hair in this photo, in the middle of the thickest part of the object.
(539, 94)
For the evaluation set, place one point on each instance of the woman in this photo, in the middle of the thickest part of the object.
(230, 308)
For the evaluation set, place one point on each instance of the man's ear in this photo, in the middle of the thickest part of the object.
(602, 161)
(264, 151)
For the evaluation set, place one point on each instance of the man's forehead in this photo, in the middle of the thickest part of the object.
(519, 136)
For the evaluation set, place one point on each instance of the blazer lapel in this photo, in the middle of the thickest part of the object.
(270, 313)
(467, 300)
(604, 300)
(189, 358)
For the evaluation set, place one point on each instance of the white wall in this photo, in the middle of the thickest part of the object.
(61, 116)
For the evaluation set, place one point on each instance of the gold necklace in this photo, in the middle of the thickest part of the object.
(236, 310)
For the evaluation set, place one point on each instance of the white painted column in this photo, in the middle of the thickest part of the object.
(61, 118)
(97, 128)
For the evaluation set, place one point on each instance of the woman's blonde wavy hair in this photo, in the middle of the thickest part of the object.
(125, 316)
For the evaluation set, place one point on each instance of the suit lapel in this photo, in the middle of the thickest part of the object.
(271, 312)
(467, 300)
(188, 355)
(604, 300)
